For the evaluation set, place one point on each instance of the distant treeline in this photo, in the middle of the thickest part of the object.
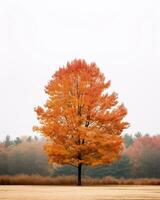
(140, 159)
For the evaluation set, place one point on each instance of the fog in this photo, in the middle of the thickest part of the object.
(37, 37)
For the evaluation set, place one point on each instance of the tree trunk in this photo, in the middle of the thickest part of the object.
(79, 174)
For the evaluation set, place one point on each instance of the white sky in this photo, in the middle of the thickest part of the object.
(36, 37)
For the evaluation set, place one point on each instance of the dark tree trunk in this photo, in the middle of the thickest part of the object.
(79, 174)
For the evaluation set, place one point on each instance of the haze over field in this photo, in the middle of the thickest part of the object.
(37, 37)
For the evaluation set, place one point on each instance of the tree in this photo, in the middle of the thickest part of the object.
(8, 141)
(138, 135)
(29, 139)
(24, 158)
(17, 141)
(128, 140)
(118, 169)
(145, 156)
(82, 121)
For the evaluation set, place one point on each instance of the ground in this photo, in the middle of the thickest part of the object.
(79, 193)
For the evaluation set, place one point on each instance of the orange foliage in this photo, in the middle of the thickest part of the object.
(82, 121)
(147, 149)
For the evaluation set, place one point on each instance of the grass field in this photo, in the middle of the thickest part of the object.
(79, 193)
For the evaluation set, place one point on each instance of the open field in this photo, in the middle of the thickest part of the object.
(79, 193)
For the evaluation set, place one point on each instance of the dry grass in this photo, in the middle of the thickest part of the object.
(37, 180)
(71, 180)
(114, 181)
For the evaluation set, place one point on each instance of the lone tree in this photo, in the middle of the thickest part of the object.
(83, 123)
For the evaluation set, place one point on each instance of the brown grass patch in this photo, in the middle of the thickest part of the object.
(72, 180)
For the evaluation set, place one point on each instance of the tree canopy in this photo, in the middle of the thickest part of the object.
(82, 121)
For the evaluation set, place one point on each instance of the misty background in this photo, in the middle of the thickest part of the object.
(39, 36)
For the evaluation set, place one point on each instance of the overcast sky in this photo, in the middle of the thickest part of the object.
(121, 36)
